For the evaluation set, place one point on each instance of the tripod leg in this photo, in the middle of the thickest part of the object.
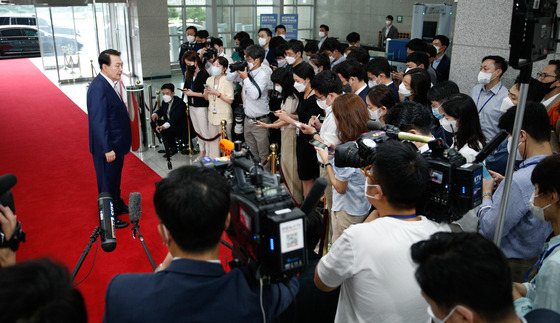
(92, 239)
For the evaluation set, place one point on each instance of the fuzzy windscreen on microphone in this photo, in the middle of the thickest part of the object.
(134, 206)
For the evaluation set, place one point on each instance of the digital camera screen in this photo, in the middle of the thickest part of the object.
(436, 176)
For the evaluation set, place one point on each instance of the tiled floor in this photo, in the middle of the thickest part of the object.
(77, 93)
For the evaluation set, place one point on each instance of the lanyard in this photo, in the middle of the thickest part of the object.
(403, 216)
(493, 94)
(540, 261)
(527, 165)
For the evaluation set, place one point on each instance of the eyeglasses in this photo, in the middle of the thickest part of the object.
(544, 75)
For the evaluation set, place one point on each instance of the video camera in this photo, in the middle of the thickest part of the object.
(267, 230)
(210, 53)
(455, 186)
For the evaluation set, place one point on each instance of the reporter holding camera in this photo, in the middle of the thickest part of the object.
(349, 203)
(192, 204)
(219, 94)
(372, 260)
(195, 78)
(256, 83)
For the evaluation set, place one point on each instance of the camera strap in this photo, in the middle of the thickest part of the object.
(254, 83)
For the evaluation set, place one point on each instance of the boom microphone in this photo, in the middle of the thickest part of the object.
(226, 146)
(134, 207)
(491, 146)
(395, 133)
(107, 222)
(315, 193)
(374, 125)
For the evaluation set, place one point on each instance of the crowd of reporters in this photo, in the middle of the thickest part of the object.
(385, 261)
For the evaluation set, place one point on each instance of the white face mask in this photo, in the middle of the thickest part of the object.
(375, 115)
(322, 104)
(371, 185)
(283, 36)
(190, 39)
(321, 34)
(437, 48)
(331, 58)
(373, 84)
(250, 66)
(300, 87)
(290, 60)
(407, 69)
(537, 211)
(449, 126)
(404, 91)
(214, 70)
(167, 98)
(278, 88)
(506, 104)
(281, 62)
(484, 78)
(518, 154)
(262, 41)
(436, 320)
(316, 70)
(388, 22)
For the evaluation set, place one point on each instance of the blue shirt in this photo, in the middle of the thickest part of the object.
(523, 234)
(488, 105)
(544, 290)
(353, 201)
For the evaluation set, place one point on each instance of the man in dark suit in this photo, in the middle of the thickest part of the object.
(389, 31)
(192, 204)
(109, 129)
(441, 63)
(170, 120)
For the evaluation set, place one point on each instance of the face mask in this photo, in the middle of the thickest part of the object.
(190, 39)
(518, 154)
(437, 48)
(506, 104)
(387, 22)
(537, 211)
(250, 66)
(407, 69)
(546, 87)
(373, 84)
(283, 36)
(484, 78)
(322, 104)
(262, 41)
(435, 112)
(321, 34)
(331, 58)
(214, 70)
(371, 185)
(404, 91)
(290, 60)
(347, 88)
(375, 115)
(281, 62)
(167, 98)
(436, 320)
(278, 88)
(449, 126)
(345, 55)
(300, 87)
(191, 68)
(316, 70)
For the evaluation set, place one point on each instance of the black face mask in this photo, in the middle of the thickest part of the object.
(347, 88)
(545, 87)
(191, 68)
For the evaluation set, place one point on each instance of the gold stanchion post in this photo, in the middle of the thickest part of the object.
(190, 151)
(273, 159)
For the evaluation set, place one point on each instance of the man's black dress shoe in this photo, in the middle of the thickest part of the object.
(119, 224)
(161, 151)
(123, 209)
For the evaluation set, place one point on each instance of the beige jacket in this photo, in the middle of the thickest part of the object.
(223, 109)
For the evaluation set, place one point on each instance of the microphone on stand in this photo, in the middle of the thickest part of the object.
(107, 222)
(135, 209)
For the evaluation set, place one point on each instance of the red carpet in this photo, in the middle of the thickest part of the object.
(44, 142)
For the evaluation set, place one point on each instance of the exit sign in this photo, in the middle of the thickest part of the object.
(399, 19)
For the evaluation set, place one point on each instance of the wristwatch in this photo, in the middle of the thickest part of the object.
(17, 237)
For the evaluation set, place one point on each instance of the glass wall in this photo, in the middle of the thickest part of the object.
(231, 17)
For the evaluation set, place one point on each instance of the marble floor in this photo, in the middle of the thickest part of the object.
(77, 93)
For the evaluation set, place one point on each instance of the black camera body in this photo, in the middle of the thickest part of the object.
(455, 186)
(238, 66)
(266, 229)
(210, 53)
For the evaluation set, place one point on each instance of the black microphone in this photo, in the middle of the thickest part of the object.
(7, 181)
(107, 222)
(134, 207)
(374, 125)
(491, 146)
(314, 195)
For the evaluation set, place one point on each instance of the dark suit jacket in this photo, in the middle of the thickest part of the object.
(271, 57)
(364, 92)
(193, 291)
(393, 34)
(177, 116)
(108, 120)
(442, 71)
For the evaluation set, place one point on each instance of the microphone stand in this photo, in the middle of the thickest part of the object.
(92, 238)
(136, 230)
